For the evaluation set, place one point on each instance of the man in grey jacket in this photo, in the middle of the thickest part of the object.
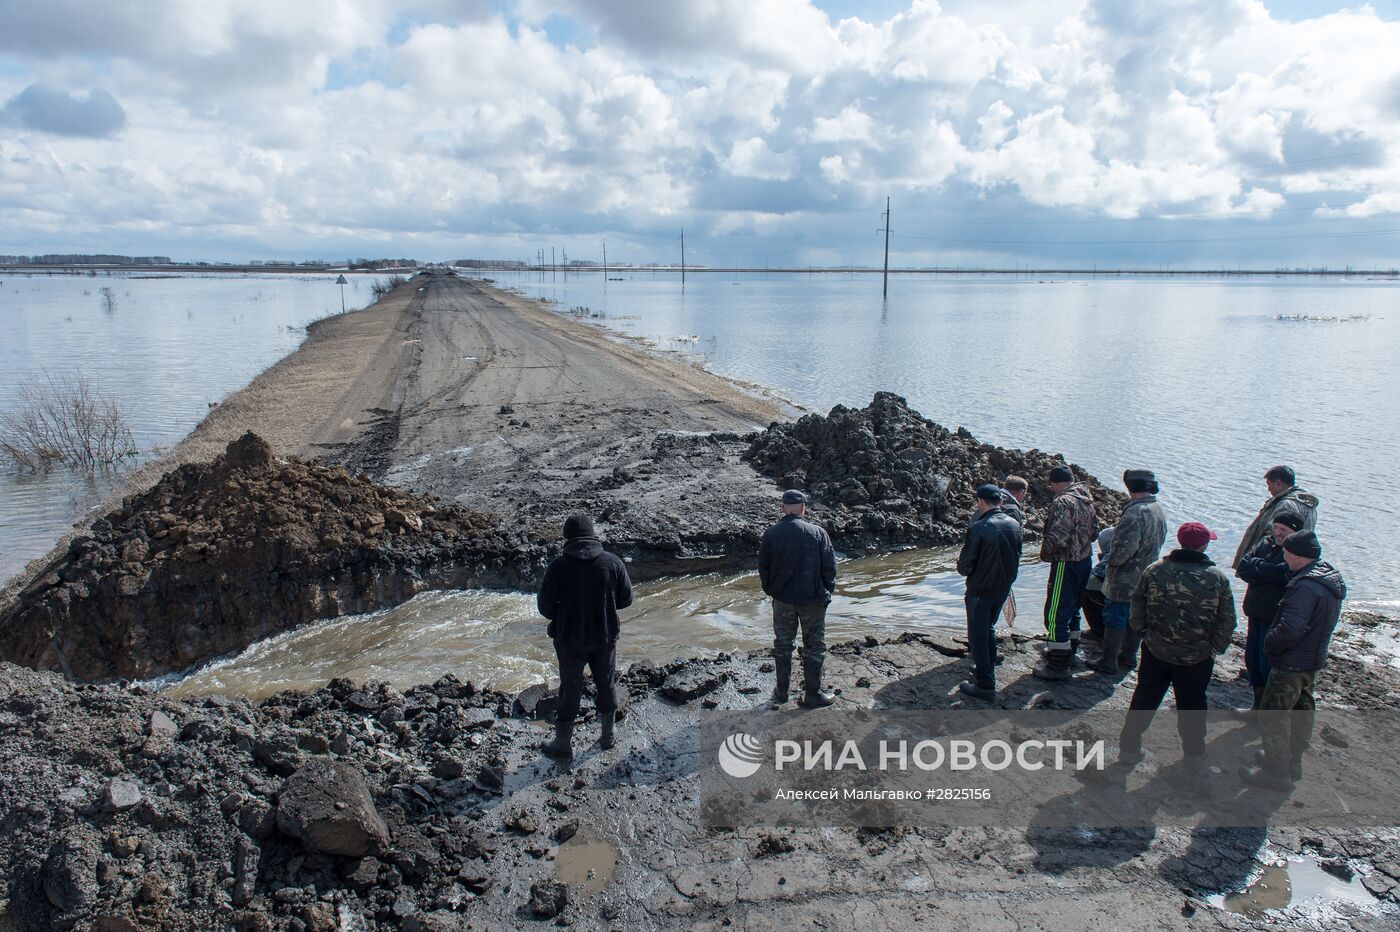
(1284, 496)
(1137, 541)
(1297, 648)
(797, 567)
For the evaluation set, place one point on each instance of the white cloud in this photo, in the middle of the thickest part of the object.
(752, 158)
(344, 119)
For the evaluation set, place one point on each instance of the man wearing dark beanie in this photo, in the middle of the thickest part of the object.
(581, 593)
(1267, 575)
(1296, 646)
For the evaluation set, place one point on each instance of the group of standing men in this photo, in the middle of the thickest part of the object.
(1178, 611)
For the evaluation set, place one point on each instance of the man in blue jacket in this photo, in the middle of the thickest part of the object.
(582, 590)
(1297, 649)
(990, 558)
(797, 567)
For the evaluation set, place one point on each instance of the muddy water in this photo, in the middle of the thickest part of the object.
(585, 864)
(495, 638)
(1299, 881)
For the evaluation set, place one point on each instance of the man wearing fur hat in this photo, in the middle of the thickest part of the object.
(1137, 541)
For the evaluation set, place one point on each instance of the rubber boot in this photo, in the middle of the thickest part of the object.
(1073, 648)
(1112, 647)
(813, 697)
(782, 680)
(1195, 776)
(1053, 666)
(971, 688)
(1295, 766)
(1128, 658)
(608, 722)
(563, 744)
(1267, 778)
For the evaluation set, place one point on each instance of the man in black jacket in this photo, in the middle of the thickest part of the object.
(581, 593)
(1267, 575)
(1297, 647)
(990, 559)
(797, 567)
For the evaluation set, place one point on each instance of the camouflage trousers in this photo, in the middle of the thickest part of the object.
(787, 618)
(1286, 722)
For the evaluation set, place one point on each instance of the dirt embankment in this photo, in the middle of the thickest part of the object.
(218, 555)
(360, 807)
(885, 476)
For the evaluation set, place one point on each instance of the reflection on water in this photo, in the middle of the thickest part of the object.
(497, 639)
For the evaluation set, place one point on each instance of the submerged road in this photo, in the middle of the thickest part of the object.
(500, 402)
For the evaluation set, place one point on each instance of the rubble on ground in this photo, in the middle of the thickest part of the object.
(358, 806)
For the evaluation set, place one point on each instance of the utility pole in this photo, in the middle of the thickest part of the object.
(605, 260)
(682, 257)
(885, 292)
(553, 265)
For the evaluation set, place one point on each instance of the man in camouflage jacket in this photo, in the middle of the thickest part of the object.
(1137, 541)
(1184, 610)
(1067, 545)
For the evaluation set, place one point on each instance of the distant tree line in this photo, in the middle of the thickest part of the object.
(489, 264)
(372, 264)
(84, 259)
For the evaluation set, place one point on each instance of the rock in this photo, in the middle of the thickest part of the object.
(257, 819)
(1338, 867)
(327, 807)
(121, 795)
(70, 874)
(523, 822)
(566, 831)
(691, 682)
(363, 873)
(534, 702)
(162, 726)
(548, 898)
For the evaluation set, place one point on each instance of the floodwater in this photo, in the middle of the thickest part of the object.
(166, 347)
(1198, 379)
(1195, 378)
(497, 639)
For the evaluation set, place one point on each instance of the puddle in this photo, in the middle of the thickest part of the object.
(1300, 881)
(585, 864)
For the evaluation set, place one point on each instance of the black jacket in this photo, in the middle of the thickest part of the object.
(796, 563)
(1307, 615)
(581, 593)
(1263, 568)
(991, 553)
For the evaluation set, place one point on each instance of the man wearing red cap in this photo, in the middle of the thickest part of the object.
(1183, 609)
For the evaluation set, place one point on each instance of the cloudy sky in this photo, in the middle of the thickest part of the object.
(1155, 132)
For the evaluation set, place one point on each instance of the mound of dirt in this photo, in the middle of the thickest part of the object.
(886, 476)
(217, 555)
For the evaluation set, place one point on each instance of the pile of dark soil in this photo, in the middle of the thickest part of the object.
(218, 555)
(886, 475)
